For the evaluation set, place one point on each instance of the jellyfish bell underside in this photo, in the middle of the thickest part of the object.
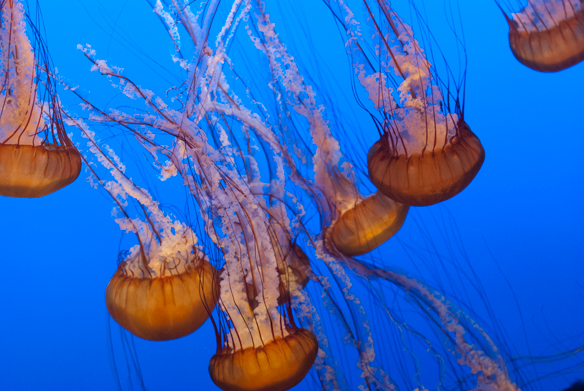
(366, 226)
(166, 307)
(276, 366)
(31, 171)
(551, 49)
(423, 179)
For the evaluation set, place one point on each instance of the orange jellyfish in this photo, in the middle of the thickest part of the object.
(548, 35)
(351, 223)
(262, 348)
(278, 365)
(429, 176)
(367, 226)
(165, 288)
(36, 156)
(426, 153)
(170, 304)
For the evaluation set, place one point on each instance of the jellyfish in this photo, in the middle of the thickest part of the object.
(165, 288)
(426, 152)
(36, 155)
(548, 35)
(288, 219)
(352, 221)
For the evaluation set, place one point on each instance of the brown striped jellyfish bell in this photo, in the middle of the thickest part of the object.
(366, 226)
(159, 296)
(419, 163)
(548, 35)
(36, 156)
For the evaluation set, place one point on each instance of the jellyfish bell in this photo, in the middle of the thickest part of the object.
(276, 366)
(430, 176)
(30, 171)
(548, 35)
(261, 348)
(172, 304)
(366, 226)
(30, 164)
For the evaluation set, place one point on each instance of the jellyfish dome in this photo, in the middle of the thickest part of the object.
(426, 152)
(165, 288)
(428, 177)
(548, 35)
(368, 225)
(30, 165)
(277, 366)
(164, 307)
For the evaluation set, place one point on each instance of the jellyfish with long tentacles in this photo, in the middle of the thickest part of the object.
(36, 155)
(255, 193)
(165, 288)
(426, 153)
(547, 35)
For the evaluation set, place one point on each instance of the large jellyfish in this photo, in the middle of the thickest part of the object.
(426, 153)
(36, 155)
(165, 288)
(548, 35)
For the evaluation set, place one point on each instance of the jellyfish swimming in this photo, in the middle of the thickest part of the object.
(426, 153)
(368, 225)
(289, 275)
(165, 288)
(278, 365)
(253, 210)
(36, 155)
(548, 35)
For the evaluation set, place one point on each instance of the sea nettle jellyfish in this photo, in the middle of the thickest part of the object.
(36, 156)
(548, 35)
(165, 288)
(285, 209)
(426, 153)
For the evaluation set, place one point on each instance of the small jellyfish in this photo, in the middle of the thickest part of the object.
(548, 35)
(32, 163)
(352, 223)
(368, 225)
